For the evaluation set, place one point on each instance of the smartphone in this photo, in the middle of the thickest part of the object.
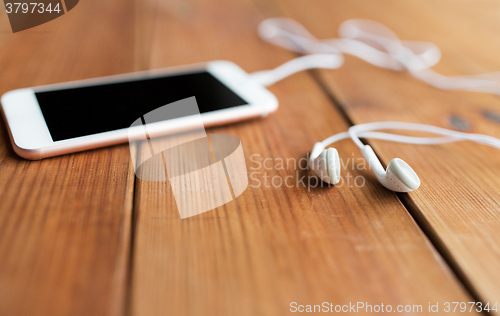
(58, 119)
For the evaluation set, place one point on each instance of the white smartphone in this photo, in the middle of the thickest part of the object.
(52, 120)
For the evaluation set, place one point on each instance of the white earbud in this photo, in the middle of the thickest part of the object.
(325, 163)
(398, 176)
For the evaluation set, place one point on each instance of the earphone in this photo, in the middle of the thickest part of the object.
(380, 46)
(398, 176)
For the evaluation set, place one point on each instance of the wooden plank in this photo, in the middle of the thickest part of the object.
(272, 245)
(65, 221)
(458, 203)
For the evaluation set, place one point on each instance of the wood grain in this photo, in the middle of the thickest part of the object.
(459, 201)
(274, 244)
(65, 221)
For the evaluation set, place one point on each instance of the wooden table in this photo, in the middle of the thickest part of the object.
(80, 235)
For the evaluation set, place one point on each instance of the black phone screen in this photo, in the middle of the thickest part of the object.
(83, 111)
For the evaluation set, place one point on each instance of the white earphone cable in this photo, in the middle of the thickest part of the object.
(391, 137)
(450, 134)
(380, 46)
(269, 77)
(368, 40)
(367, 131)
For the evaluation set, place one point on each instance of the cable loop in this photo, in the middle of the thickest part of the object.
(374, 43)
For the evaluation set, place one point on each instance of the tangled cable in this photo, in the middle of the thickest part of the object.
(368, 40)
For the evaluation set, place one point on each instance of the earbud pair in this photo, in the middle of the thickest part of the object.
(398, 176)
